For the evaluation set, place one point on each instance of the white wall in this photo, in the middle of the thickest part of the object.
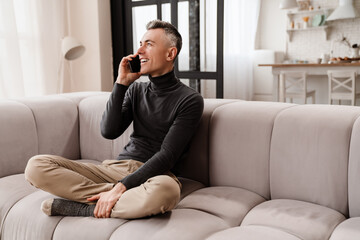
(272, 24)
(90, 23)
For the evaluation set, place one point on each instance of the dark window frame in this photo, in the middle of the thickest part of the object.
(121, 25)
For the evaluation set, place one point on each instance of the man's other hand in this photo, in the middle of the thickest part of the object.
(107, 200)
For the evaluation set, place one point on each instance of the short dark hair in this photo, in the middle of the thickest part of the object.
(170, 31)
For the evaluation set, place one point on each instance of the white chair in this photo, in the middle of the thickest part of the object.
(294, 85)
(342, 86)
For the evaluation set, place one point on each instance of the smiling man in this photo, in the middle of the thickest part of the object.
(165, 114)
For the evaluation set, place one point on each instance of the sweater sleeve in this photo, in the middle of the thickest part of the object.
(118, 113)
(174, 144)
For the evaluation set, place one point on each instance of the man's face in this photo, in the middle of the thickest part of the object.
(154, 52)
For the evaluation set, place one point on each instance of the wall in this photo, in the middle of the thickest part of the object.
(305, 45)
(309, 45)
(89, 22)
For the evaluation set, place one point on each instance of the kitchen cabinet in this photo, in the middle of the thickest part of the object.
(316, 23)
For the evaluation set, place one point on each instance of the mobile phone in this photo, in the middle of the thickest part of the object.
(134, 64)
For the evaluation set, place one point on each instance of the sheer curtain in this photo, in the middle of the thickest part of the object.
(30, 38)
(240, 25)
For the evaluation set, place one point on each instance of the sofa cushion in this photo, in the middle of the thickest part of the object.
(239, 145)
(354, 171)
(348, 229)
(302, 219)
(51, 120)
(92, 144)
(179, 224)
(195, 166)
(88, 228)
(228, 203)
(18, 137)
(26, 221)
(253, 232)
(12, 189)
(309, 155)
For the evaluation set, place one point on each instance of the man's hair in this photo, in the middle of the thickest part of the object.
(170, 31)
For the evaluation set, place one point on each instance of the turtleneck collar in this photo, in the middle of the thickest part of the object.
(165, 81)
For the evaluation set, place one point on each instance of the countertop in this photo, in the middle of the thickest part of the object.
(310, 65)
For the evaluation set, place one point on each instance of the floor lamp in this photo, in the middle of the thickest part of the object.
(71, 49)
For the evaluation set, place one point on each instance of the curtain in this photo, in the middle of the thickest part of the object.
(240, 25)
(30, 38)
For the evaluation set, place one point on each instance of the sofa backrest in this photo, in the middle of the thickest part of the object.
(18, 137)
(309, 154)
(92, 145)
(239, 145)
(354, 171)
(30, 126)
(196, 164)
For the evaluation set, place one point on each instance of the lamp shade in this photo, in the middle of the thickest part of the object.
(343, 11)
(71, 48)
(286, 4)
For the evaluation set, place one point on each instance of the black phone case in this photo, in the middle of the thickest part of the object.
(134, 64)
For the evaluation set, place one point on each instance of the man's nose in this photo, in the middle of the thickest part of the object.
(140, 50)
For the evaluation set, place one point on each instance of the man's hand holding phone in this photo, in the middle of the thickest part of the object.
(128, 65)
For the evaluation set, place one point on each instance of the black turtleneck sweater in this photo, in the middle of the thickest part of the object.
(165, 114)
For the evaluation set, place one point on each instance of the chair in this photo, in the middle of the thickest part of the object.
(294, 85)
(342, 86)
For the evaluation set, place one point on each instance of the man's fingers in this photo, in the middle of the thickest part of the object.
(93, 198)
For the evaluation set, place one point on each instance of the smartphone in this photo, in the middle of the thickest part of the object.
(134, 64)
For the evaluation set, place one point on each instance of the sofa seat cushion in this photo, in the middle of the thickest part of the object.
(25, 220)
(20, 213)
(302, 219)
(253, 232)
(88, 228)
(228, 203)
(349, 230)
(12, 189)
(179, 224)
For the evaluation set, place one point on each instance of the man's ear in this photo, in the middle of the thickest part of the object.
(171, 54)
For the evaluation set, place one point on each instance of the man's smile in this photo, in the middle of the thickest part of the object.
(144, 60)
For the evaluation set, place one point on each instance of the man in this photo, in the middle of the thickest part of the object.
(165, 114)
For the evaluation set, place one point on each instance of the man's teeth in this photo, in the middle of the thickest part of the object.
(144, 60)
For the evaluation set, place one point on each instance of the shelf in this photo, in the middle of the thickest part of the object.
(310, 12)
(324, 28)
(296, 16)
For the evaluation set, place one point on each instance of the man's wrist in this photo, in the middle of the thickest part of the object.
(123, 82)
(119, 188)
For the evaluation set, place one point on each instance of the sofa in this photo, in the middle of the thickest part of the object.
(255, 170)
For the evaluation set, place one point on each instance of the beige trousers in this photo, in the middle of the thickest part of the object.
(78, 181)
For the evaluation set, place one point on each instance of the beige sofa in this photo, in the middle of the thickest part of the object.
(256, 170)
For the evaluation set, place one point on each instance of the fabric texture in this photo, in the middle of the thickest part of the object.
(253, 232)
(348, 229)
(228, 203)
(239, 144)
(309, 155)
(78, 181)
(62, 119)
(301, 219)
(17, 128)
(165, 114)
(354, 171)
